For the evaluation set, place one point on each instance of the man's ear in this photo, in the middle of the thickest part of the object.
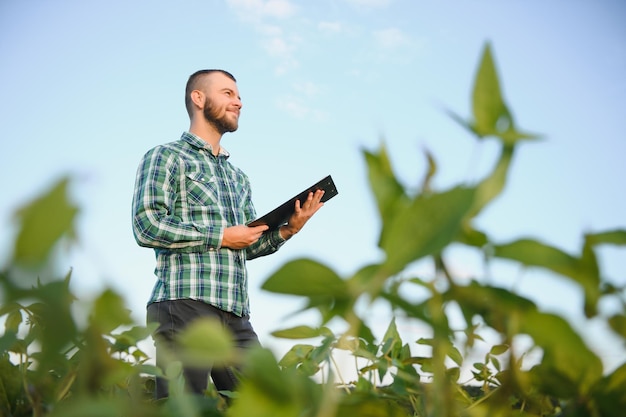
(197, 97)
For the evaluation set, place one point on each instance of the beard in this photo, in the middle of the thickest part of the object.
(222, 124)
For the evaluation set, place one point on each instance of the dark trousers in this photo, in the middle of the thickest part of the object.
(173, 316)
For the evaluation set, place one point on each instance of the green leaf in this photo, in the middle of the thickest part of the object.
(455, 354)
(7, 340)
(617, 322)
(489, 188)
(568, 367)
(496, 363)
(490, 112)
(424, 227)
(611, 237)
(52, 317)
(296, 355)
(472, 237)
(582, 271)
(491, 115)
(129, 338)
(392, 343)
(300, 332)
(266, 391)
(13, 321)
(388, 191)
(306, 277)
(453, 374)
(609, 394)
(42, 223)
(205, 341)
(498, 349)
(109, 312)
(365, 403)
(432, 170)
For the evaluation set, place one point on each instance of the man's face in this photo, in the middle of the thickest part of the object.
(222, 103)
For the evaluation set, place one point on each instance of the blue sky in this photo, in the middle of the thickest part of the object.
(87, 87)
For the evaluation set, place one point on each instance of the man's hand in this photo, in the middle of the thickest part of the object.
(302, 214)
(242, 236)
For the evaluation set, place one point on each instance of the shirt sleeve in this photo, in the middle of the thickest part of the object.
(269, 243)
(156, 223)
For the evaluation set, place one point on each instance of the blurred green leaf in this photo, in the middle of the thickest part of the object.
(52, 318)
(204, 342)
(387, 190)
(424, 227)
(42, 223)
(392, 342)
(365, 404)
(129, 338)
(296, 355)
(609, 395)
(568, 368)
(498, 349)
(301, 332)
(430, 173)
(13, 321)
(489, 188)
(501, 309)
(617, 323)
(266, 391)
(306, 277)
(610, 237)
(109, 312)
(8, 341)
(455, 355)
(490, 112)
(583, 271)
(470, 236)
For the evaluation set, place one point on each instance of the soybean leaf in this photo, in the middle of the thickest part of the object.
(610, 395)
(205, 341)
(307, 278)
(617, 323)
(388, 191)
(109, 312)
(301, 332)
(583, 271)
(610, 237)
(42, 223)
(424, 227)
(568, 368)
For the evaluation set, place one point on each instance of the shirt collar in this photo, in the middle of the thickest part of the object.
(196, 142)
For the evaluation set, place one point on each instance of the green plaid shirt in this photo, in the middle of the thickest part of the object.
(184, 198)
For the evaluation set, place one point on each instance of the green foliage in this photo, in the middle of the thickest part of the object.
(50, 365)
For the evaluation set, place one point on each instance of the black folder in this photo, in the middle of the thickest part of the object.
(279, 216)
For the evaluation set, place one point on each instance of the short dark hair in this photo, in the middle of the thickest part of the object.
(194, 81)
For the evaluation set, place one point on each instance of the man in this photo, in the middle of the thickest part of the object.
(191, 205)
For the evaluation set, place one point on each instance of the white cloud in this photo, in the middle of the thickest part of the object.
(330, 27)
(307, 88)
(272, 35)
(269, 30)
(257, 10)
(277, 46)
(391, 38)
(286, 65)
(369, 3)
(294, 107)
